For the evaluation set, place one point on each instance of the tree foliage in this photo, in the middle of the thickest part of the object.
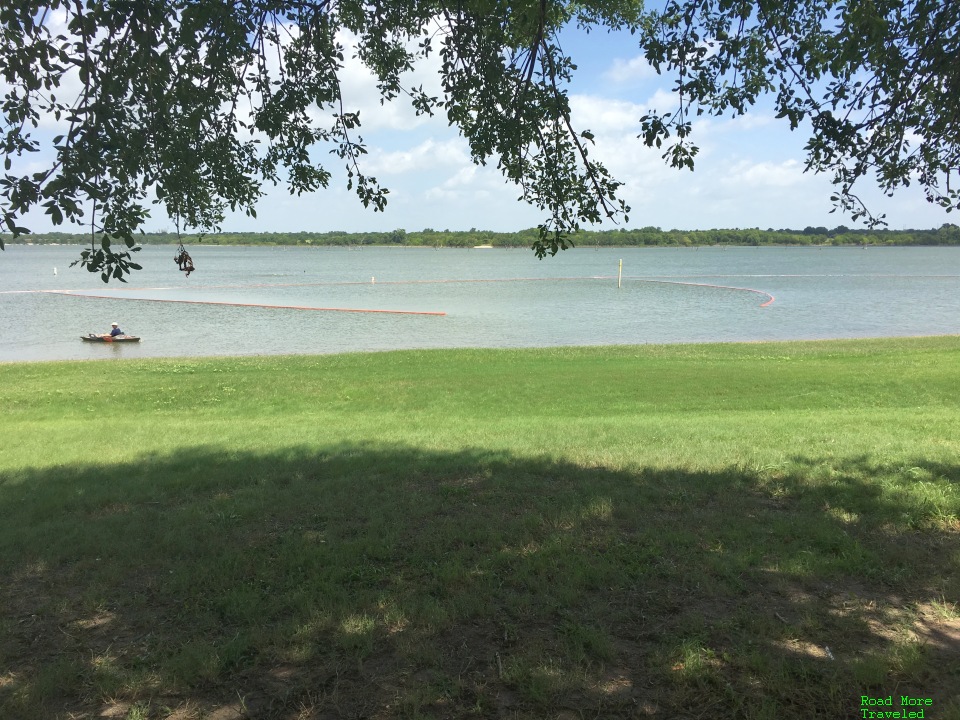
(877, 80)
(200, 103)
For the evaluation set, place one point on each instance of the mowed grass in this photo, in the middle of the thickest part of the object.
(743, 531)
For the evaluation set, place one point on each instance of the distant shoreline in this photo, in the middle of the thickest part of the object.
(840, 236)
(207, 243)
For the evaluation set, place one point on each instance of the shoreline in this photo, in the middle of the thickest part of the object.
(582, 246)
(488, 349)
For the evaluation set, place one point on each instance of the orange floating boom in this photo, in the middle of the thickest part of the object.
(260, 305)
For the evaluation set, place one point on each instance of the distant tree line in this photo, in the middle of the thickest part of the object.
(947, 234)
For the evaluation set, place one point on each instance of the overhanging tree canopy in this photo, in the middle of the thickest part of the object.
(198, 103)
(878, 80)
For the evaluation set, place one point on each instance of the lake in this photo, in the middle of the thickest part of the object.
(489, 297)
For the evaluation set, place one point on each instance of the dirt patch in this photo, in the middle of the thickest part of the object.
(938, 633)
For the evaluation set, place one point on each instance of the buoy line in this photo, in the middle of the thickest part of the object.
(239, 304)
(646, 278)
(638, 278)
(770, 298)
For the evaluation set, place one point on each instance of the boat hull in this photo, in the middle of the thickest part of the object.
(108, 339)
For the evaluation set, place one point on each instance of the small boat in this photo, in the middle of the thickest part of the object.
(116, 338)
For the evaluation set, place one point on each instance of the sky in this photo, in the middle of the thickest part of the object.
(749, 171)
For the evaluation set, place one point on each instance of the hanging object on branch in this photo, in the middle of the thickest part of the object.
(184, 260)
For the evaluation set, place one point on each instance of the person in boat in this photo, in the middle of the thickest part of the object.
(114, 331)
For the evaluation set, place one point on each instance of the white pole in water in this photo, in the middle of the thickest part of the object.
(373, 281)
(620, 274)
(54, 271)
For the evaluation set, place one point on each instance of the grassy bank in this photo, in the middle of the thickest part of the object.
(755, 531)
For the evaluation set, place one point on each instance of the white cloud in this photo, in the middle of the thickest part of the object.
(751, 121)
(627, 71)
(605, 114)
(469, 181)
(360, 93)
(428, 155)
(764, 174)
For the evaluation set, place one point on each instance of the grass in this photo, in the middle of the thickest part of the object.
(749, 531)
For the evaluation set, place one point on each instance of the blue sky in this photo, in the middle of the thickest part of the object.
(749, 171)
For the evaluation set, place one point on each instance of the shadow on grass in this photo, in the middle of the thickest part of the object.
(370, 581)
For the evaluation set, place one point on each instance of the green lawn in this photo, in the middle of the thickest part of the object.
(742, 531)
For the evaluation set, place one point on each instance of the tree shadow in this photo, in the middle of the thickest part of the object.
(372, 581)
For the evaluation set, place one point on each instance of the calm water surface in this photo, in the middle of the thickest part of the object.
(492, 298)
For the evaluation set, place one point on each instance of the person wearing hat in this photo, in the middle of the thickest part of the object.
(114, 331)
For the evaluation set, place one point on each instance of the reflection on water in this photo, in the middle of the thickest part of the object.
(491, 298)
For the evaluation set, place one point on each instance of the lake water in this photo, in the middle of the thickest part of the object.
(491, 298)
